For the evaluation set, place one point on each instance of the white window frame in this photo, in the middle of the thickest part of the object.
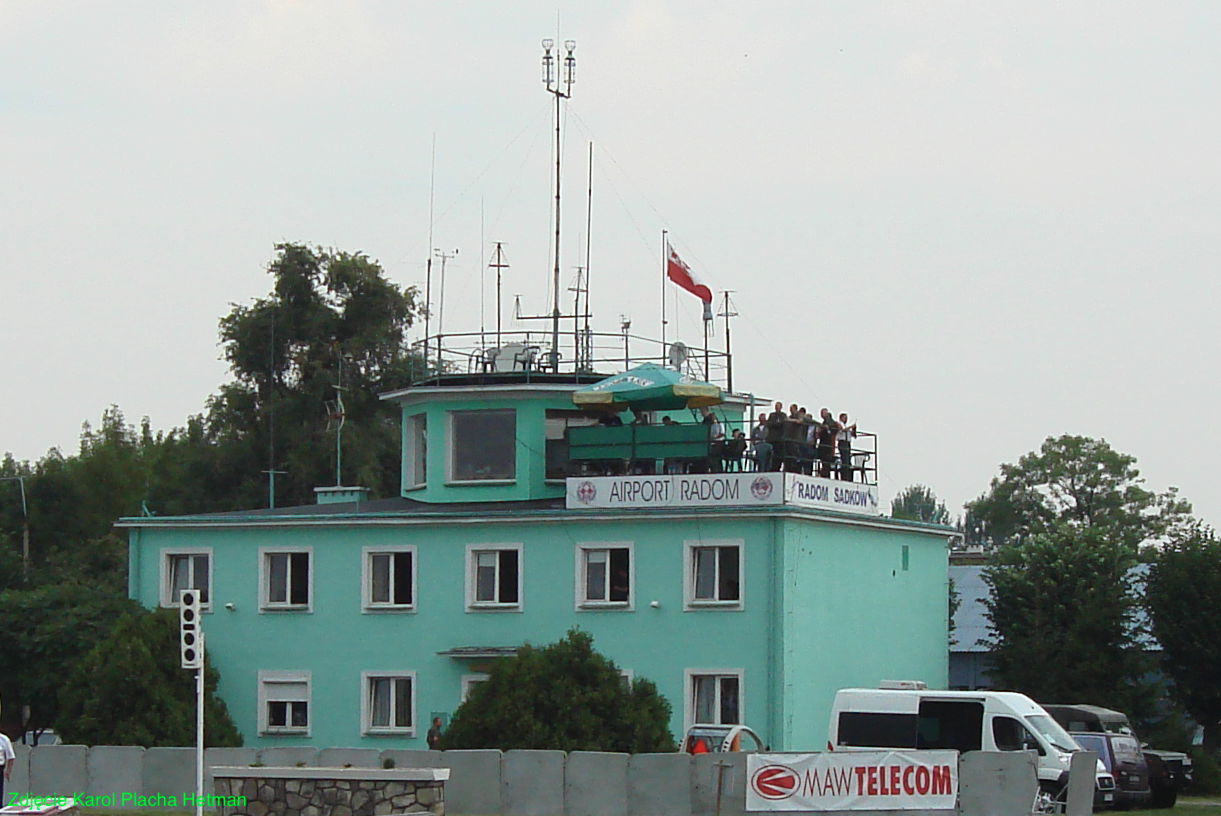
(450, 439)
(417, 465)
(472, 605)
(169, 598)
(690, 602)
(689, 676)
(582, 551)
(469, 681)
(366, 709)
(366, 577)
(265, 604)
(272, 678)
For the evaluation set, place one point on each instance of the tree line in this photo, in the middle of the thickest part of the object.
(332, 324)
(1101, 591)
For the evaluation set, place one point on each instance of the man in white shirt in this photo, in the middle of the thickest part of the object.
(8, 758)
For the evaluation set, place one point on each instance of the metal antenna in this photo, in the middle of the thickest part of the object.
(441, 306)
(335, 416)
(271, 418)
(727, 311)
(25, 526)
(432, 179)
(625, 325)
(553, 87)
(499, 264)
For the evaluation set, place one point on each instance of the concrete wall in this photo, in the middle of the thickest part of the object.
(515, 783)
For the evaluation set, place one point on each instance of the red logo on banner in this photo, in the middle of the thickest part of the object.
(775, 782)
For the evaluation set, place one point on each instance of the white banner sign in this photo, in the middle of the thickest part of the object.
(830, 494)
(853, 780)
(723, 490)
(702, 490)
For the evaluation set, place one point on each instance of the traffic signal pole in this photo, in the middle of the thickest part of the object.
(199, 730)
(191, 648)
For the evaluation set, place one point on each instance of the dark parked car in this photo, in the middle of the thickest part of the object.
(1124, 759)
(1169, 771)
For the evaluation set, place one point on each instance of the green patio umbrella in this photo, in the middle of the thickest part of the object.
(648, 387)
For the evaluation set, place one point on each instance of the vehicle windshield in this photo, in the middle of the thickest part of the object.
(1096, 743)
(1051, 731)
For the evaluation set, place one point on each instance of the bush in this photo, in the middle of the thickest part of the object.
(131, 690)
(566, 697)
(1206, 774)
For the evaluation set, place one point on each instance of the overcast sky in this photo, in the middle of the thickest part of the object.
(969, 225)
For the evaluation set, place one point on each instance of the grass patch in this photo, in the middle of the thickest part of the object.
(1187, 806)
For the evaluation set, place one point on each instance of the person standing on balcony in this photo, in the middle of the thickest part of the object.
(843, 439)
(775, 435)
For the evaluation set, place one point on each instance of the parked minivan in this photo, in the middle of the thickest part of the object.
(905, 715)
(1168, 771)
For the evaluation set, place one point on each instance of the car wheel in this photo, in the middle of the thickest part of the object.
(1047, 800)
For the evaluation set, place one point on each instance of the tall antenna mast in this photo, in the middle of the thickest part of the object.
(441, 307)
(499, 264)
(586, 353)
(551, 81)
(432, 178)
(335, 415)
(728, 312)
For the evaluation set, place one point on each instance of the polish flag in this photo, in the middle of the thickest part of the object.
(681, 274)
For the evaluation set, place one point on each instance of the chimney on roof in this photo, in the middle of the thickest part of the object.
(340, 495)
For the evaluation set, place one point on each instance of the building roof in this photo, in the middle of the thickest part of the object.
(399, 510)
(971, 629)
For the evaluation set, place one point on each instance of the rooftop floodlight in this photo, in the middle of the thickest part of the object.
(570, 65)
(547, 63)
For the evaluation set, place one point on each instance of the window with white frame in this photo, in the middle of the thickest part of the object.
(713, 574)
(714, 697)
(389, 578)
(284, 702)
(287, 579)
(483, 445)
(417, 450)
(388, 703)
(469, 681)
(604, 575)
(186, 569)
(494, 577)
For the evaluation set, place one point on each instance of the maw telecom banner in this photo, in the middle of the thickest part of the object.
(853, 780)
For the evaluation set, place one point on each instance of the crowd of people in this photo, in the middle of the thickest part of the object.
(799, 441)
(796, 442)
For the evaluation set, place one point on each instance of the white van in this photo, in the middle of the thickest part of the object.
(903, 714)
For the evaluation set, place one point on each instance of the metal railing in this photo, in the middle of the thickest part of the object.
(527, 353)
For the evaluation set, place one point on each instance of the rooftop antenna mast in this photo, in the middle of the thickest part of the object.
(432, 179)
(444, 256)
(561, 90)
(727, 311)
(335, 415)
(553, 87)
(500, 265)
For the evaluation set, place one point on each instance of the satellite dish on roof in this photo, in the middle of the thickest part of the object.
(677, 355)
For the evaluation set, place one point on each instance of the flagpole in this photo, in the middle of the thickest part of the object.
(665, 248)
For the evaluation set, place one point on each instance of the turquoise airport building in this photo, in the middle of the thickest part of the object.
(746, 596)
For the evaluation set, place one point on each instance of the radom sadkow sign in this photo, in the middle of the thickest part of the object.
(853, 780)
(723, 490)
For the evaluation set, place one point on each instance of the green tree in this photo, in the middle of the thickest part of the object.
(332, 319)
(1183, 593)
(1073, 482)
(919, 503)
(564, 696)
(1063, 615)
(44, 631)
(131, 690)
